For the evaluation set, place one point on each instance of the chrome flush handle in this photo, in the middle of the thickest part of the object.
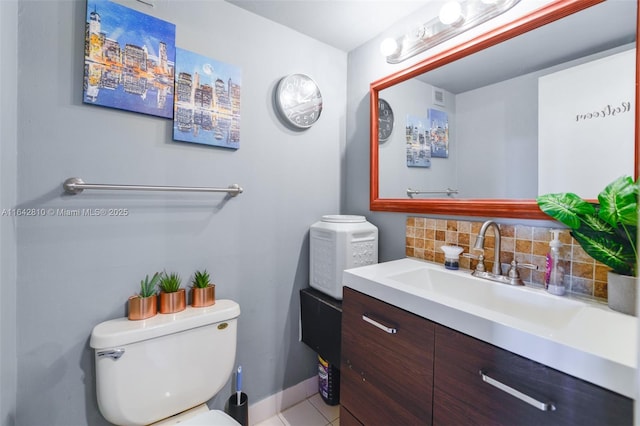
(111, 353)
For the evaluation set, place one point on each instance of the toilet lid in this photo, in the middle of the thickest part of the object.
(211, 418)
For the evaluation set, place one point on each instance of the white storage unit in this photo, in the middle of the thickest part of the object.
(340, 242)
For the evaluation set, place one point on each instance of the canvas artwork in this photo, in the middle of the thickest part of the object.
(207, 101)
(129, 59)
(438, 133)
(418, 147)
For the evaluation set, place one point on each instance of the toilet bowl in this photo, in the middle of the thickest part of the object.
(149, 371)
(213, 417)
(199, 416)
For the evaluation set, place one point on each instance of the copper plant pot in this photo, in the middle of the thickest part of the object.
(201, 297)
(173, 302)
(142, 307)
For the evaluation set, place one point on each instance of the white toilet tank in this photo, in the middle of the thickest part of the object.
(152, 369)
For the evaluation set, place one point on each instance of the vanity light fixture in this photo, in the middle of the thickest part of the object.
(451, 12)
(455, 17)
(389, 46)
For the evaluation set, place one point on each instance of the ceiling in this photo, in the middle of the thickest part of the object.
(347, 24)
(344, 24)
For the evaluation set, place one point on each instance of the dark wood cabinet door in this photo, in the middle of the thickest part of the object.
(387, 363)
(347, 419)
(463, 397)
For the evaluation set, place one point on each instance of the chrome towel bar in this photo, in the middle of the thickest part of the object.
(448, 191)
(76, 185)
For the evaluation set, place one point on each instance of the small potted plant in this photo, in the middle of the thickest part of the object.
(606, 231)
(145, 304)
(172, 297)
(203, 293)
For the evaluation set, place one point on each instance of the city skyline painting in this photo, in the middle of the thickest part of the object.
(129, 60)
(417, 144)
(439, 133)
(207, 101)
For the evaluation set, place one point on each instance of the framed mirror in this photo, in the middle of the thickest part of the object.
(496, 166)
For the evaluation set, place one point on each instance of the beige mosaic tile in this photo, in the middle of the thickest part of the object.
(525, 244)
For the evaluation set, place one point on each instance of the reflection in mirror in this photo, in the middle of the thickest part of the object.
(551, 110)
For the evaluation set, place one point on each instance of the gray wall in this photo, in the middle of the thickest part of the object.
(8, 164)
(74, 272)
(497, 130)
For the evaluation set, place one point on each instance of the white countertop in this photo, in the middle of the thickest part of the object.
(590, 342)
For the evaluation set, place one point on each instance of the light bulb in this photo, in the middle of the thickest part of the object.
(388, 46)
(450, 12)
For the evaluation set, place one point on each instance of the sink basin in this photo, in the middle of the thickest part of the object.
(464, 291)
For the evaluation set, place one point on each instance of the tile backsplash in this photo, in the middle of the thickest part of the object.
(526, 244)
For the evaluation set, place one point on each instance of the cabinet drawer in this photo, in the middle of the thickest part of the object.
(387, 362)
(462, 396)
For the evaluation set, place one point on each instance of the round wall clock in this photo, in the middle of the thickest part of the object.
(385, 120)
(298, 100)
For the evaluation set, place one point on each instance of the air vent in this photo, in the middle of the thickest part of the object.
(438, 96)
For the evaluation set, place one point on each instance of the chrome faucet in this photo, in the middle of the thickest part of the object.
(512, 277)
(479, 245)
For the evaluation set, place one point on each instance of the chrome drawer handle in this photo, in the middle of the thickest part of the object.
(544, 406)
(390, 330)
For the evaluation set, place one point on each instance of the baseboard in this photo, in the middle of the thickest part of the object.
(272, 405)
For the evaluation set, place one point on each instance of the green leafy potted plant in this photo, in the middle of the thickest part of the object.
(607, 231)
(172, 297)
(145, 304)
(203, 293)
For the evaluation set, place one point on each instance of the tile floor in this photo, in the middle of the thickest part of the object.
(313, 411)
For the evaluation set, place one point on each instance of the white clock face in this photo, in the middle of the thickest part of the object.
(385, 120)
(299, 100)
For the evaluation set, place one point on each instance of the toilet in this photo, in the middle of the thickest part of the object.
(164, 369)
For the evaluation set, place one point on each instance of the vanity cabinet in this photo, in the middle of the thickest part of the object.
(387, 363)
(473, 381)
(347, 419)
(401, 369)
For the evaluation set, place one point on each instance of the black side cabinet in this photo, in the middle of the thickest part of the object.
(321, 323)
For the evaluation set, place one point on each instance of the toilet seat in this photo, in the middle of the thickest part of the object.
(211, 418)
